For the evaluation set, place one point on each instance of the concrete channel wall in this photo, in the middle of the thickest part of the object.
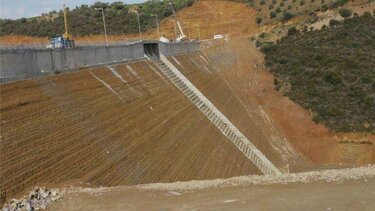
(168, 49)
(17, 64)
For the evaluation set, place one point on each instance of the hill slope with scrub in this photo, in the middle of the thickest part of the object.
(85, 20)
(330, 72)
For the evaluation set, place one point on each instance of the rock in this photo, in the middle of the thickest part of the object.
(38, 199)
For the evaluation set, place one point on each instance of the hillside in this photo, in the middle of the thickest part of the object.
(279, 10)
(85, 20)
(330, 72)
(203, 20)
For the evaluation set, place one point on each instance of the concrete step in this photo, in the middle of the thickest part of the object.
(216, 117)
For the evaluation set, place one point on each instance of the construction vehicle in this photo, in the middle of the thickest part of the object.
(63, 41)
(181, 37)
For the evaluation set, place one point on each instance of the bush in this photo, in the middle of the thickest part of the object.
(288, 16)
(334, 22)
(367, 14)
(259, 20)
(345, 13)
(292, 30)
(270, 7)
(324, 7)
(278, 10)
(302, 2)
(267, 47)
(273, 14)
(262, 2)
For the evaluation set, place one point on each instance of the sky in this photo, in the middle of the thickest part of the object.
(15, 9)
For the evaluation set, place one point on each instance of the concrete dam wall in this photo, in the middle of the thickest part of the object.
(19, 64)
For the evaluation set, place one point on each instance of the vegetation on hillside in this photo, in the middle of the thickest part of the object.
(330, 72)
(85, 20)
(276, 10)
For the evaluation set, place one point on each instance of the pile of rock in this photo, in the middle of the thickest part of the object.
(37, 200)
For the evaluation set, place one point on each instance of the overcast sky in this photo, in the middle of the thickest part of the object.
(28, 8)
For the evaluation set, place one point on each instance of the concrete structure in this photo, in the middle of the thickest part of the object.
(16, 64)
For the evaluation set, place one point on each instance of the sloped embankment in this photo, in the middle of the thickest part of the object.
(120, 125)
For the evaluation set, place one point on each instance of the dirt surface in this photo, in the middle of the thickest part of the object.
(103, 129)
(320, 196)
(349, 189)
(203, 73)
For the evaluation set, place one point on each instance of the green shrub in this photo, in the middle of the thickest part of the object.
(288, 16)
(259, 20)
(324, 7)
(334, 22)
(262, 2)
(345, 13)
(267, 47)
(292, 30)
(278, 10)
(273, 14)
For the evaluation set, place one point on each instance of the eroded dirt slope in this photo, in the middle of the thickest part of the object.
(121, 126)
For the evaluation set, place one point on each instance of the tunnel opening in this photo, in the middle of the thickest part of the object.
(151, 49)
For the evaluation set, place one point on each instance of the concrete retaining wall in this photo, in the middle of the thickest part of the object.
(27, 63)
(168, 49)
(16, 64)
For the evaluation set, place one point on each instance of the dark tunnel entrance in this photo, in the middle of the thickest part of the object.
(151, 49)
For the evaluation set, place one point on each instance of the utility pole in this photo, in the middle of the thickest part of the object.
(105, 27)
(199, 32)
(139, 26)
(66, 34)
(188, 30)
(175, 29)
(157, 24)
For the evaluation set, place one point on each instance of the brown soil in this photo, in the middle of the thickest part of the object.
(72, 127)
(209, 82)
(22, 39)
